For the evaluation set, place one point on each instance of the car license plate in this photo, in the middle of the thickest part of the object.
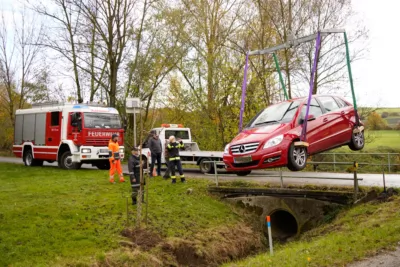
(243, 159)
(104, 151)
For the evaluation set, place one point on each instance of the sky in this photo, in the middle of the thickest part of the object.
(375, 76)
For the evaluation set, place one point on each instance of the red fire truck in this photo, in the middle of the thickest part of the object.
(70, 134)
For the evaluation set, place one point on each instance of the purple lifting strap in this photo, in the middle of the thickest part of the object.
(244, 85)
(303, 136)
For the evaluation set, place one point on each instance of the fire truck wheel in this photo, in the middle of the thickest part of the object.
(66, 161)
(28, 158)
(30, 161)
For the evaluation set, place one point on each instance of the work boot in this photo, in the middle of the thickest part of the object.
(134, 201)
(166, 177)
(121, 179)
(183, 180)
(174, 180)
(112, 180)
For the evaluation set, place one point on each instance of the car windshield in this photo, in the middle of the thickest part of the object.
(279, 113)
(102, 120)
(179, 134)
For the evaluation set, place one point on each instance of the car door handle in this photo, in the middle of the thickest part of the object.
(343, 113)
(49, 139)
(325, 120)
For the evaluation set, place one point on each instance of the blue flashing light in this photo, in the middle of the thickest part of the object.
(80, 106)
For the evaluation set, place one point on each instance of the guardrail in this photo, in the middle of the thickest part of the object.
(281, 176)
(388, 157)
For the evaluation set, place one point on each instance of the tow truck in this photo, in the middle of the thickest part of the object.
(191, 154)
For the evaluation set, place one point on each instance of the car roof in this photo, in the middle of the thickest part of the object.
(305, 97)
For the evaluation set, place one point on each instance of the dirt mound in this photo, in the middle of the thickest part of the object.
(142, 238)
(208, 248)
(215, 246)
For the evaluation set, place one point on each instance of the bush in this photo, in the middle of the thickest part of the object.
(385, 114)
(375, 122)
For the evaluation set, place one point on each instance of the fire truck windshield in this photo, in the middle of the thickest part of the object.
(102, 120)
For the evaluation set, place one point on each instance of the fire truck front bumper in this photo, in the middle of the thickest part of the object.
(89, 153)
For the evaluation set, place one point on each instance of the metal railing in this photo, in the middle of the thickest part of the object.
(389, 158)
(281, 176)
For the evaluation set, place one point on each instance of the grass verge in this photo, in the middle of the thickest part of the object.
(355, 234)
(53, 217)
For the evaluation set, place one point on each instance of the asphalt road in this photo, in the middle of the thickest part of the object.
(318, 178)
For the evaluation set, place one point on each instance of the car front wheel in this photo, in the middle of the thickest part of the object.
(297, 158)
(357, 141)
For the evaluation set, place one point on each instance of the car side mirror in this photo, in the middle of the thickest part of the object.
(309, 118)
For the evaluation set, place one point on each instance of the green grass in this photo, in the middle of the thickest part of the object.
(387, 138)
(55, 217)
(355, 234)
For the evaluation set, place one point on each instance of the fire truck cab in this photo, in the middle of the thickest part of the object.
(70, 134)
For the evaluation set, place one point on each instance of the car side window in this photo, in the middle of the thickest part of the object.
(341, 102)
(315, 109)
(328, 103)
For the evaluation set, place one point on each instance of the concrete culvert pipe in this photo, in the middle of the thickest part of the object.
(283, 225)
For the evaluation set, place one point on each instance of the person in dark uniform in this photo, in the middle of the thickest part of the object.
(155, 147)
(166, 156)
(134, 173)
(174, 158)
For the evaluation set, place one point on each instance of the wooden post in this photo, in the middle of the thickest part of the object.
(355, 165)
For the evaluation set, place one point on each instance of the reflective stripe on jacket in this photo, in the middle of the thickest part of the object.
(113, 147)
(173, 150)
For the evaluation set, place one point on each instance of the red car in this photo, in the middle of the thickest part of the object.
(268, 140)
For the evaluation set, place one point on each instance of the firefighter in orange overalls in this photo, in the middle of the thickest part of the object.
(115, 160)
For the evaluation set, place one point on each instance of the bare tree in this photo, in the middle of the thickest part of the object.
(19, 58)
(331, 69)
(112, 19)
(63, 37)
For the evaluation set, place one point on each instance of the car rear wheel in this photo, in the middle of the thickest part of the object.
(297, 158)
(357, 141)
(243, 173)
(206, 167)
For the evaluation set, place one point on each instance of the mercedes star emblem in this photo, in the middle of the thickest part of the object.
(241, 149)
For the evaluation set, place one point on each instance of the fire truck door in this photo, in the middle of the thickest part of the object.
(53, 128)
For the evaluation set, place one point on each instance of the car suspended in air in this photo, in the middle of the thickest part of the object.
(285, 134)
(270, 139)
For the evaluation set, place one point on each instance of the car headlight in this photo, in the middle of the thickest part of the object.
(274, 141)
(226, 150)
(86, 150)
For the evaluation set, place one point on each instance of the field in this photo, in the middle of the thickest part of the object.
(385, 138)
(52, 217)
